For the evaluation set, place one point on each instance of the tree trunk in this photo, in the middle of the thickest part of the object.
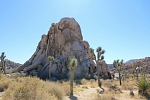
(0, 70)
(49, 70)
(119, 78)
(99, 82)
(4, 68)
(71, 81)
(137, 74)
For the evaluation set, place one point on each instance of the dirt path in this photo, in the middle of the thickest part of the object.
(91, 93)
(1, 93)
(86, 94)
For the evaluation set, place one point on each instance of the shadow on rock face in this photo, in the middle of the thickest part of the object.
(43, 75)
(63, 41)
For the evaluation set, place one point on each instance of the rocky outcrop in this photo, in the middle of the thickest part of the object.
(141, 65)
(11, 65)
(103, 69)
(63, 41)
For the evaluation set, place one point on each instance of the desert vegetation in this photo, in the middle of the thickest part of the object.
(100, 57)
(30, 88)
(3, 63)
(23, 88)
(50, 58)
(73, 64)
(118, 66)
(19, 87)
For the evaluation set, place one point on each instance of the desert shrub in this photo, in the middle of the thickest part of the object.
(32, 88)
(84, 81)
(66, 87)
(4, 82)
(46, 96)
(143, 85)
(127, 85)
(56, 89)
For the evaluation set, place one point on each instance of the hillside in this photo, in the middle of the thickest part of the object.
(11, 64)
(133, 63)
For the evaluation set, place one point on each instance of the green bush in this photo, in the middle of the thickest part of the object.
(143, 85)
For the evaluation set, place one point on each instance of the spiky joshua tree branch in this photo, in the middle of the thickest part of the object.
(100, 57)
(118, 66)
(50, 58)
(73, 64)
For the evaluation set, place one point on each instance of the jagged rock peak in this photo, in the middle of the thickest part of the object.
(63, 41)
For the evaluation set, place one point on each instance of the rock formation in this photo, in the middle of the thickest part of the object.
(142, 65)
(11, 64)
(63, 41)
(103, 69)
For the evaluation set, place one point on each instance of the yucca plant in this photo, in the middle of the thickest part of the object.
(118, 66)
(143, 85)
(50, 58)
(100, 57)
(73, 64)
(134, 73)
(143, 70)
(99, 52)
(3, 62)
(135, 65)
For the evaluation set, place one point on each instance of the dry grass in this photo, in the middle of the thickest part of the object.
(85, 86)
(84, 81)
(91, 83)
(78, 89)
(66, 87)
(4, 82)
(129, 84)
(32, 88)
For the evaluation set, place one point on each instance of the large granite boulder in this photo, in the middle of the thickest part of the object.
(63, 41)
(103, 69)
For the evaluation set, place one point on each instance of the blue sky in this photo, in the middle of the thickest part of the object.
(120, 27)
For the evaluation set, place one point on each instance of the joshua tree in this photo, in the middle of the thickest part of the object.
(134, 73)
(118, 66)
(50, 58)
(100, 57)
(99, 53)
(3, 62)
(143, 70)
(135, 64)
(73, 64)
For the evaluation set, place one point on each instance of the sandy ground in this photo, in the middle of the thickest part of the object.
(1, 95)
(91, 93)
(87, 94)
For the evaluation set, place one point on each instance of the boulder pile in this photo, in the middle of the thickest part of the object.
(63, 41)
